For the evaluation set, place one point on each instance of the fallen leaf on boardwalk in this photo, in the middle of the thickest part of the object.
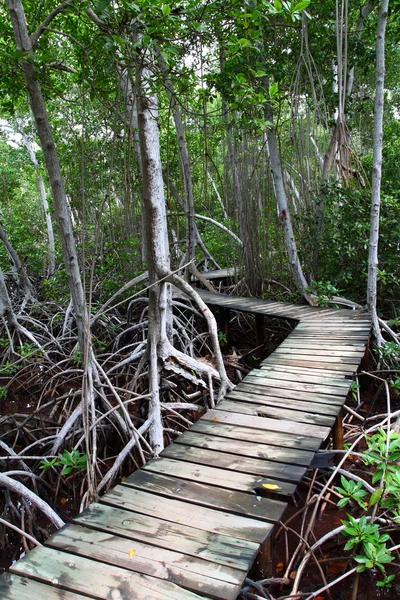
(215, 419)
(270, 486)
(63, 500)
(279, 567)
(123, 478)
(293, 574)
(132, 553)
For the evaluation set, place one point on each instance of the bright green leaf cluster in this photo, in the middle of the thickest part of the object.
(70, 460)
(351, 490)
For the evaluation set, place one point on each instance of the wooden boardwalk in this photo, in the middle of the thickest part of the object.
(189, 524)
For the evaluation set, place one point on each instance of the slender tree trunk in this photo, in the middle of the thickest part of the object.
(23, 43)
(17, 264)
(283, 208)
(157, 254)
(185, 166)
(131, 107)
(377, 170)
(51, 262)
(191, 229)
(6, 310)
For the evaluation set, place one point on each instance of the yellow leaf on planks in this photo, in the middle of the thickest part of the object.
(132, 553)
(270, 486)
(215, 419)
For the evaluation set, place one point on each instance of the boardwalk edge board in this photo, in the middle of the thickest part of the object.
(188, 525)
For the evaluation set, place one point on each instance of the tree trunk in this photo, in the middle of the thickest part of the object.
(45, 134)
(131, 107)
(17, 264)
(6, 311)
(51, 262)
(157, 253)
(283, 209)
(190, 269)
(377, 170)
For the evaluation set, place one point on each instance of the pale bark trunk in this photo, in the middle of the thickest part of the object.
(44, 130)
(377, 170)
(51, 262)
(283, 208)
(218, 195)
(157, 252)
(131, 107)
(18, 267)
(181, 203)
(6, 310)
(186, 171)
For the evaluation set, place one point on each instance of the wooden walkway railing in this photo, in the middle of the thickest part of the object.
(189, 524)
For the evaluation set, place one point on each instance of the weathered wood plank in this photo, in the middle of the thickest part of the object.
(214, 476)
(195, 574)
(347, 369)
(331, 363)
(239, 503)
(15, 587)
(124, 511)
(309, 356)
(335, 341)
(254, 395)
(283, 368)
(287, 394)
(291, 344)
(276, 412)
(309, 376)
(232, 462)
(256, 387)
(96, 579)
(260, 377)
(252, 449)
(267, 424)
(258, 436)
(310, 349)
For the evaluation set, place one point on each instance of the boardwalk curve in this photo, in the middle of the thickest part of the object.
(189, 524)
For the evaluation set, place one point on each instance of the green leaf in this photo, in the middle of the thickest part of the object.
(301, 6)
(244, 42)
(342, 502)
(273, 90)
(166, 9)
(102, 5)
(375, 496)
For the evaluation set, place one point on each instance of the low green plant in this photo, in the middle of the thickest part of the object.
(395, 322)
(222, 338)
(76, 357)
(389, 353)
(70, 460)
(3, 391)
(9, 368)
(395, 385)
(354, 389)
(383, 455)
(351, 490)
(27, 349)
(365, 538)
(370, 544)
(324, 291)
